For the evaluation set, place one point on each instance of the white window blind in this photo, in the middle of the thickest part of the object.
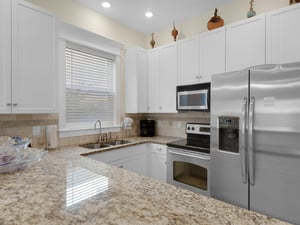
(90, 92)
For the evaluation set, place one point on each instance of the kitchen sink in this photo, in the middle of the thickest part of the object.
(95, 146)
(118, 142)
(105, 145)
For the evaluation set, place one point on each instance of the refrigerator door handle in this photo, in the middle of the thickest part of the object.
(243, 141)
(250, 140)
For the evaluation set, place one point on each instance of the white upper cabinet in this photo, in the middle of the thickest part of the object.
(153, 80)
(188, 61)
(168, 78)
(162, 79)
(212, 53)
(246, 43)
(5, 56)
(33, 59)
(136, 83)
(28, 59)
(283, 35)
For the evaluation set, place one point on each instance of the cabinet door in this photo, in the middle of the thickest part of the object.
(136, 83)
(168, 78)
(136, 163)
(212, 53)
(245, 43)
(153, 80)
(158, 160)
(188, 60)
(283, 35)
(133, 158)
(33, 59)
(142, 81)
(5, 56)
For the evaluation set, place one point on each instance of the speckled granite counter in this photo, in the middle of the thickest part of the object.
(67, 188)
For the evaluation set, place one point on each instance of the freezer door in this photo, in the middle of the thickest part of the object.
(229, 93)
(275, 186)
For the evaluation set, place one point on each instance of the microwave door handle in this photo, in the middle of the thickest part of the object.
(243, 141)
(250, 140)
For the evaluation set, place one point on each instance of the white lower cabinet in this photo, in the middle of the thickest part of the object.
(145, 159)
(135, 163)
(158, 161)
(133, 158)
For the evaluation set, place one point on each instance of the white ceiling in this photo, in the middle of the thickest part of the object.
(132, 12)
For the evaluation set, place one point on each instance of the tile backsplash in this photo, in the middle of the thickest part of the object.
(34, 126)
(171, 124)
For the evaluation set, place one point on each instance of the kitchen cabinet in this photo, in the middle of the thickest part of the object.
(245, 43)
(5, 56)
(212, 53)
(136, 163)
(158, 162)
(136, 82)
(188, 61)
(133, 158)
(153, 80)
(283, 35)
(168, 78)
(28, 59)
(162, 79)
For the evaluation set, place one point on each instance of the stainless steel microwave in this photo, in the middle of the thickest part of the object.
(195, 97)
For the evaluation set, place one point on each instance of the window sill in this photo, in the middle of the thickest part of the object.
(64, 133)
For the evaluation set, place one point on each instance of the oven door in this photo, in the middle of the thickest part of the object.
(188, 169)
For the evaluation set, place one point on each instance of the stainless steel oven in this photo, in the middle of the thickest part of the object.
(188, 160)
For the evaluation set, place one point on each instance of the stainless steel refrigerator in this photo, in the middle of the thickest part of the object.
(255, 139)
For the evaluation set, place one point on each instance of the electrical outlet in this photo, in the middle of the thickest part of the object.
(36, 131)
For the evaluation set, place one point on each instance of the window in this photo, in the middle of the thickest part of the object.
(90, 90)
(89, 81)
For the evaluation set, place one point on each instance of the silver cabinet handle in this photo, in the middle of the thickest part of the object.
(198, 77)
(8, 104)
(243, 141)
(250, 141)
(121, 166)
(15, 104)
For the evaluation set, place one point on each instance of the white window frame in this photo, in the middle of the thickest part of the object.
(76, 35)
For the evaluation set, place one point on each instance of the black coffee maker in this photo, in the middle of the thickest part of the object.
(147, 128)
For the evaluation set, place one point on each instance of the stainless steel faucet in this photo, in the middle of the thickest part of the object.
(95, 127)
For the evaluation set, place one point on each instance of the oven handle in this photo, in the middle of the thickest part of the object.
(181, 153)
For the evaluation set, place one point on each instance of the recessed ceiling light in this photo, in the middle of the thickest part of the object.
(106, 4)
(148, 14)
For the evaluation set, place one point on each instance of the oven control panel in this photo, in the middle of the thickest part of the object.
(197, 128)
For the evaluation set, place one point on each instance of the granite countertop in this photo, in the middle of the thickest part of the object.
(68, 188)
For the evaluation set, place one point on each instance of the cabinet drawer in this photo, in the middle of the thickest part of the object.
(159, 149)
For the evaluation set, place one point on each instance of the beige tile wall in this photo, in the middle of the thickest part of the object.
(169, 124)
(24, 124)
(173, 124)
